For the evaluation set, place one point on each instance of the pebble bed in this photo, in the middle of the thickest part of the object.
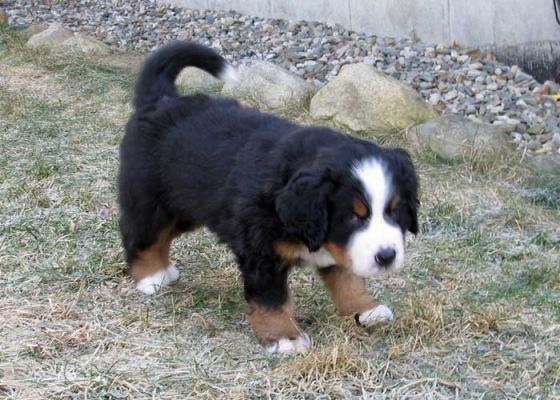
(451, 78)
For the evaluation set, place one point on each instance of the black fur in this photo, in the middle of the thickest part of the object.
(253, 179)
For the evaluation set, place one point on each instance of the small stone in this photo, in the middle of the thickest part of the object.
(534, 144)
(476, 65)
(434, 98)
(474, 53)
(553, 87)
(488, 68)
(535, 129)
(388, 51)
(521, 76)
(228, 21)
(471, 73)
(517, 137)
(546, 148)
(451, 95)
(470, 110)
(556, 139)
(426, 77)
(312, 66)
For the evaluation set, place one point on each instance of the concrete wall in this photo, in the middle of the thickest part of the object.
(470, 22)
(519, 31)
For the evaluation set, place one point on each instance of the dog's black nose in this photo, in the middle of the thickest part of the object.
(385, 256)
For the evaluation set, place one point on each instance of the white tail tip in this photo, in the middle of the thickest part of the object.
(229, 75)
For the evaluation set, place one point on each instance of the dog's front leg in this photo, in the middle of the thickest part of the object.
(349, 295)
(271, 312)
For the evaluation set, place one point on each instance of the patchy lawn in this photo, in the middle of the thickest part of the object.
(477, 309)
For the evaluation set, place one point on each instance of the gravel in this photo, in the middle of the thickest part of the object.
(452, 79)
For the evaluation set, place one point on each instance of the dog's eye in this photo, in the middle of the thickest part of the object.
(393, 206)
(359, 210)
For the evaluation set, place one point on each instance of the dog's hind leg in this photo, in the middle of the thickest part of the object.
(148, 252)
(150, 267)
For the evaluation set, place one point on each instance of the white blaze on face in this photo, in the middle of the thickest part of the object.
(378, 233)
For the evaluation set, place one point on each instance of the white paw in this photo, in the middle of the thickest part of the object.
(160, 279)
(377, 315)
(288, 346)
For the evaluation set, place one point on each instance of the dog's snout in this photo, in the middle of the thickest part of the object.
(385, 257)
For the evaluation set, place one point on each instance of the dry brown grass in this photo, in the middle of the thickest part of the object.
(477, 309)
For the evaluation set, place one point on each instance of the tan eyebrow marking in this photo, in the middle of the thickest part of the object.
(394, 202)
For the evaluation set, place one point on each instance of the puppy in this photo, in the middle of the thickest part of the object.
(277, 193)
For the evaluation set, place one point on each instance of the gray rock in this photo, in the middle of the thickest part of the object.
(34, 29)
(193, 80)
(269, 86)
(456, 138)
(364, 99)
(82, 44)
(451, 95)
(51, 37)
(521, 76)
(3, 17)
(534, 144)
(548, 163)
(556, 139)
(553, 87)
(145, 25)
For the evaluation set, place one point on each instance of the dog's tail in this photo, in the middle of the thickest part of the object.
(161, 68)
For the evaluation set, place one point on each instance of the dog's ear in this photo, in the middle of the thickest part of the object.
(302, 205)
(408, 181)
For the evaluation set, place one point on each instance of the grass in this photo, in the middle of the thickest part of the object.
(477, 308)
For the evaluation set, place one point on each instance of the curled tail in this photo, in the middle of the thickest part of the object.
(161, 68)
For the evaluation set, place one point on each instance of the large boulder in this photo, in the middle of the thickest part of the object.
(34, 29)
(547, 163)
(49, 38)
(456, 138)
(269, 86)
(81, 44)
(364, 99)
(194, 80)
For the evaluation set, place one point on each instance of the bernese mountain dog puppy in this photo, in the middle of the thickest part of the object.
(277, 193)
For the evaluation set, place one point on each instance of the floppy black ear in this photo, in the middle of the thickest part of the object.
(302, 207)
(408, 182)
(413, 213)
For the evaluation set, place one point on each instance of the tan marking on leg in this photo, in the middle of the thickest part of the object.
(339, 254)
(271, 325)
(156, 257)
(348, 291)
(289, 251)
